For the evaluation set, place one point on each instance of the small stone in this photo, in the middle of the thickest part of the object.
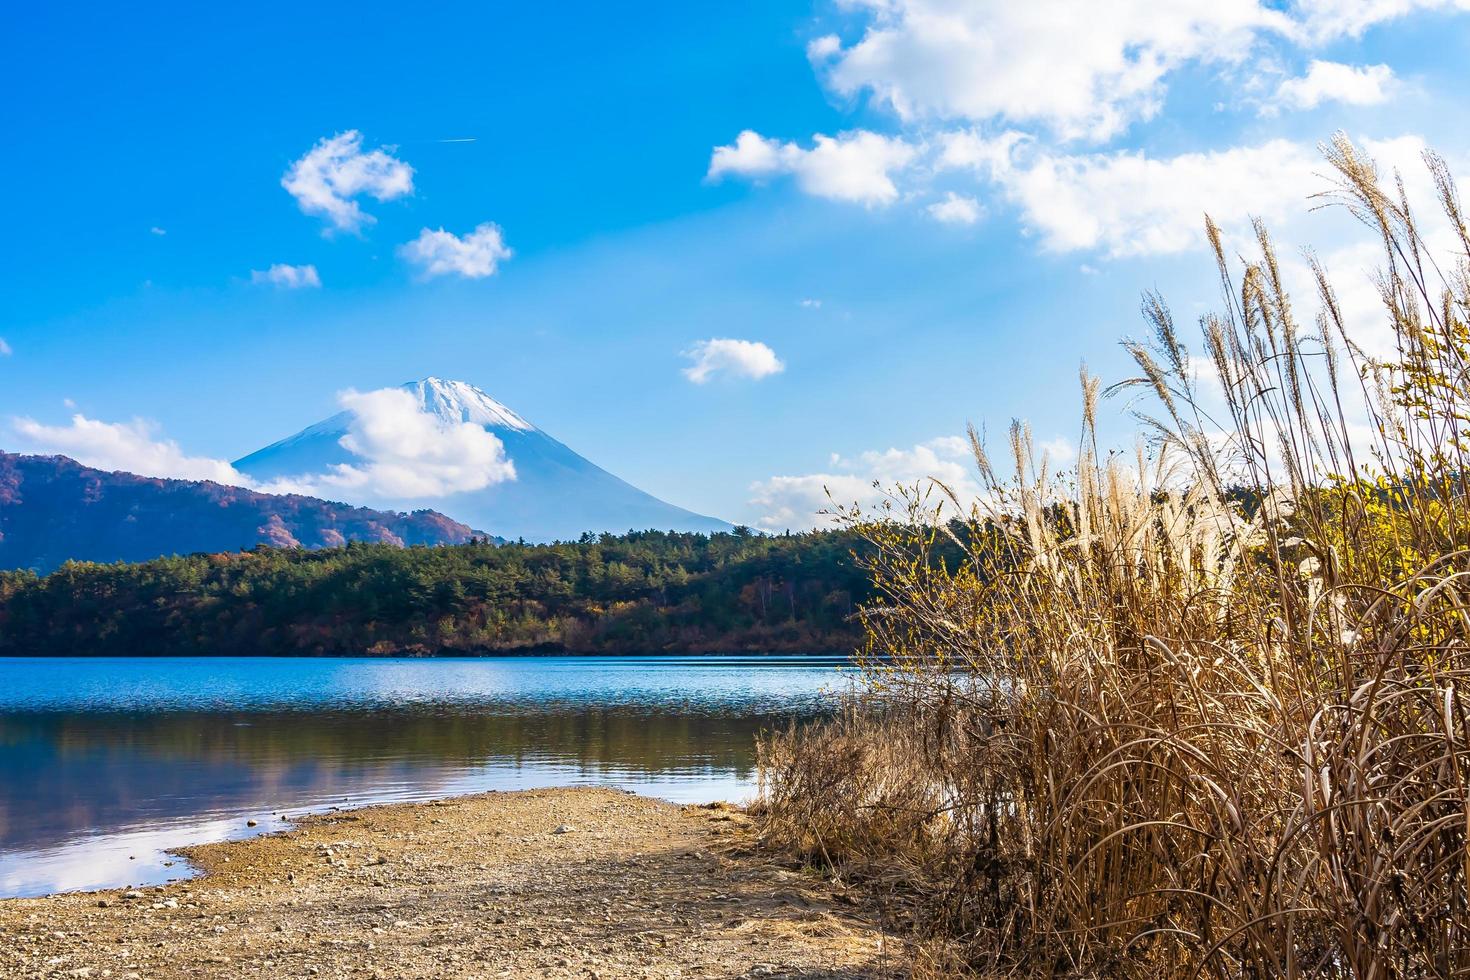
(564, 829)
(132, 894)
(250, 823)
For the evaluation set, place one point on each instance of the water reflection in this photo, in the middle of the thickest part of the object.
(105, 764)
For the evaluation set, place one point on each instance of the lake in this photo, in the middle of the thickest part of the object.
(105, 764)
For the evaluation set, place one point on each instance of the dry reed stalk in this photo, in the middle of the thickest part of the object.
(1201, 710)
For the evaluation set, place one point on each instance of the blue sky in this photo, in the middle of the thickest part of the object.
(994, 187)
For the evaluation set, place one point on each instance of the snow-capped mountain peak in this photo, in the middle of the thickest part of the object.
(555, 494)
(457, 401)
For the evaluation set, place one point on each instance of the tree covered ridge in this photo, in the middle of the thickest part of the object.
(642, 592)
(53, 508)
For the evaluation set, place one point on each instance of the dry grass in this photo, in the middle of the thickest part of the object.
(1200, 710)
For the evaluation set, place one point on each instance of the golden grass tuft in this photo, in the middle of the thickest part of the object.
(1198, 710)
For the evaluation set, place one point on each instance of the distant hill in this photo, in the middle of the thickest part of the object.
(53, 508)
(556, 494)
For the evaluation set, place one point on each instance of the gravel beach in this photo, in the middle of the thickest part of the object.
(547, 883)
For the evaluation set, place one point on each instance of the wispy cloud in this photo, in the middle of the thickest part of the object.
(155, 230)
(135, 447)
(956, 209)
(441, 253)
(287, 276)
(868, 480)
(326, 181)
(1130, 203)
(800, 501)
(5, 349)
(401, 452)
(736, 358)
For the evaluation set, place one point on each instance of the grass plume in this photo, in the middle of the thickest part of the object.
(1199, 709)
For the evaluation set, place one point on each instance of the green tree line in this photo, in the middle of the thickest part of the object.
(643, 592)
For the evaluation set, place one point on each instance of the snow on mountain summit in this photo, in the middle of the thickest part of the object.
(555, 493)
(458, 401)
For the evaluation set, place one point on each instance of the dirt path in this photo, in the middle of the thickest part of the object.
(476, 887)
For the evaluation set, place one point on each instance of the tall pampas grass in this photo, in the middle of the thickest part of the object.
(1198, 709)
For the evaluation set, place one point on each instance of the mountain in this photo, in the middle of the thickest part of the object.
(556, 494)
(53, 508)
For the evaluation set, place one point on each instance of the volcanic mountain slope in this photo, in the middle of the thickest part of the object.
(555, 495)
(53, 508)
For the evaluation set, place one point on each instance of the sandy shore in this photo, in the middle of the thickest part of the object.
(480, 886)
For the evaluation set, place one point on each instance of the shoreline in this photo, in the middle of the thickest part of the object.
(471, 886)
(515, 653)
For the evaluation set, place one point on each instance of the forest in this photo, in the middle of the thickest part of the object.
(643, 592)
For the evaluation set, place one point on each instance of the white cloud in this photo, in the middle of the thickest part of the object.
(474, 256)
(811, 304)
(1129, 204)
(1080, 68)
(855, 166)
(406, 453)
(1058, 451)
(797, 502)
(966, 149)
(1126, 204)
(335, 171)
(751, 155)
(1320, 21)
(1329, 81)
(1076, 68)
(1041, 75)
(737, 358)
(155, 230)
(135, 447)
(956, 209)
(287, 276)
(824, 47)
(5, 349)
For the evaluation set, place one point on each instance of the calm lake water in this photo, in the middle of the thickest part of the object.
(107, 763)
